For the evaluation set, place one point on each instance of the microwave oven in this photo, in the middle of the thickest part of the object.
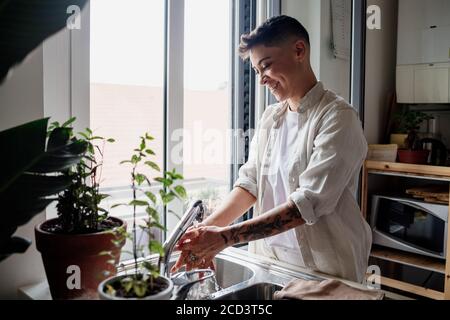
(410, 225)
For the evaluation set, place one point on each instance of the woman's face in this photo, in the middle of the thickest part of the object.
(278, 68)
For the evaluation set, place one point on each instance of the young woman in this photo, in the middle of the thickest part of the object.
(302, 172)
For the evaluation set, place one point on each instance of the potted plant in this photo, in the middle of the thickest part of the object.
(413, 152)
(32, 176)
(71, 243)
(144, 280)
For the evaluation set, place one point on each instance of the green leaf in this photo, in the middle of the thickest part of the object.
(181, 191)
(88, 130)
(127, 283)
(118, 205)
(155, 273)
(152, 165)
(153, 213)
(140, 178)
(142, 145)
(150, 152)
(155, 247)
(140, 288)
(139, 203)
(148, 265)
(111, 140)
(135, 159)
(70, 121)
(148, 137)
(125, 161)
(151, 196)
(84, 135)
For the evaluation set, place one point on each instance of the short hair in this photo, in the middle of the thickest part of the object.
(272, 32)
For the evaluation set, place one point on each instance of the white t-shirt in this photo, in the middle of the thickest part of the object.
(284, 245)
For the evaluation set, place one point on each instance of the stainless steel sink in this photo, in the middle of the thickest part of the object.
(244, 277)
(257, 291)
(229, 272)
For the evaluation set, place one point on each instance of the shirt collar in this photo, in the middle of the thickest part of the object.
(312, 98)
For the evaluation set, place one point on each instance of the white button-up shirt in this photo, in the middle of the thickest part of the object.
(323, 176)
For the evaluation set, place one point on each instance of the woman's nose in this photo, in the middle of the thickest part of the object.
(262, 80)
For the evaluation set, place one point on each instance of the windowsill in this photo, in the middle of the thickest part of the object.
(38, 291)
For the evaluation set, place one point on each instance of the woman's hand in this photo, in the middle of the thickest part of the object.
(199, 245)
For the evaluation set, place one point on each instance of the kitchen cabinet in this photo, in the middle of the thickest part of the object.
(405, 84)
(411, 173)
(431, 85)
(423, 83)
(423, 34)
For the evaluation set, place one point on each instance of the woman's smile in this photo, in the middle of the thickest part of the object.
(273, 87)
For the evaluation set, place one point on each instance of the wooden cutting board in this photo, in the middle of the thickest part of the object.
(431, 193)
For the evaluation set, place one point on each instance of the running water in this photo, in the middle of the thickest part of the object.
(204, 289)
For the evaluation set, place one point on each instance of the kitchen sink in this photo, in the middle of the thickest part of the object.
(257, 291)
(229, 272)
(241, 276)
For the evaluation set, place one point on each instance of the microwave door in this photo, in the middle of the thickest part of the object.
(410, 225)
(439, 211)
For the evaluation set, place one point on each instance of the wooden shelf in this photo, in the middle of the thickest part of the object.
(410, 259)
(427, 263)
(407, 287)
(408, 169)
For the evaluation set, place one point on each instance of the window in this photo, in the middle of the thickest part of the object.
(126, 80)
(160, 66)
(126, 88)
(207, 100)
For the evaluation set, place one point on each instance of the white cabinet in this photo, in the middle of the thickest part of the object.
(423, 51)
(405, 84)
(423, 83)
(431, 85)
(423, 32)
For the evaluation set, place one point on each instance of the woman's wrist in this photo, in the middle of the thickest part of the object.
(229, 236)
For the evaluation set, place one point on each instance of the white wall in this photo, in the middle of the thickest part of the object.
(315, 15)
(21, 100)
(381, 51)
(307, 12)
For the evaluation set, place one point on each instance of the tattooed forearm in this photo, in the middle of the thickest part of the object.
(293, 211)
(224, 237)
(275, 221)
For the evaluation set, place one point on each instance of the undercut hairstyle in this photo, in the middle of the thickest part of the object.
(273, 32)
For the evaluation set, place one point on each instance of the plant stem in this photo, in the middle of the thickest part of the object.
(134, 222)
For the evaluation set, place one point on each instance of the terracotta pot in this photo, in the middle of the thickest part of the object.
(413, 156)
(162, 295)
(72, 263)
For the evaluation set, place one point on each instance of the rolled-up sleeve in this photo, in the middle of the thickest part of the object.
(338, 152)
(248, 172)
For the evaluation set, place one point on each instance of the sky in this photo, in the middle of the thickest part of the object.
(127, 42)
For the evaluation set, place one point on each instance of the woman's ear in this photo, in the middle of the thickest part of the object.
(300, 50)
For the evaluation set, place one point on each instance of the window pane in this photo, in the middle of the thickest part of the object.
(207, 105)
(126, 83)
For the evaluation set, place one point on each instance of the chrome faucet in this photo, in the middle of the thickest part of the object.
(195, 212)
